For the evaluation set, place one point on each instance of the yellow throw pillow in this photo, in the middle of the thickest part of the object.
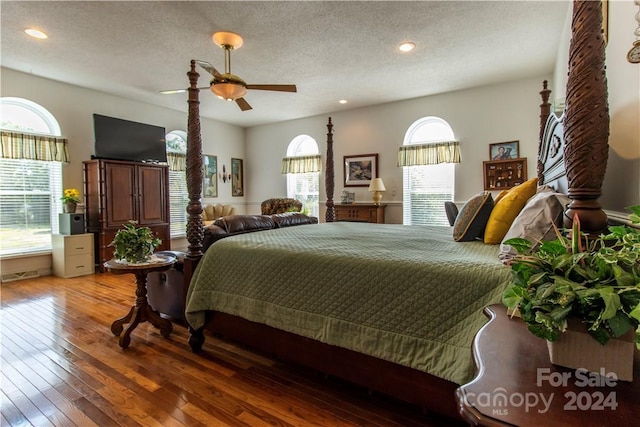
(500, 196)
(507, 209)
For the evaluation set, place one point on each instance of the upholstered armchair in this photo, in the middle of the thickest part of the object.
(212, 212)
(280, 205)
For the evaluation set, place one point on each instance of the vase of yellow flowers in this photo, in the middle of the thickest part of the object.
(70, 200)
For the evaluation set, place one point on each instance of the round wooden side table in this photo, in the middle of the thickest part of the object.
(141, 311)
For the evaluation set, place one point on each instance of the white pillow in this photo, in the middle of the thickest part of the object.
(535, 221)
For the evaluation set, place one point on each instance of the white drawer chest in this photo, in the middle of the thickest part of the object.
(72, 255)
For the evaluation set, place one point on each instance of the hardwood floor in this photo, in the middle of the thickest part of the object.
(61, 366)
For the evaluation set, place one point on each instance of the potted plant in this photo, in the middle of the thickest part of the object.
(577, 281)
(134, 244)
(70, 200)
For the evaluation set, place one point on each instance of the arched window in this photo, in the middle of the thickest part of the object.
(429, 181)
(30, 176)
(303, 173)
(178, 195)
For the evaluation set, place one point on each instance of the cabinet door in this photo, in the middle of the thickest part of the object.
(152, 195)
(120, 193)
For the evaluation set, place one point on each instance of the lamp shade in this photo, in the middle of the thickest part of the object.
(377, 185)
(228, 91)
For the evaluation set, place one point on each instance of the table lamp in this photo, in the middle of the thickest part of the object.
(377, 186)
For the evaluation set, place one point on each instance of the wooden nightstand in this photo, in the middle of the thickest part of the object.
(361, 213)
(516, 384)
(72, 255)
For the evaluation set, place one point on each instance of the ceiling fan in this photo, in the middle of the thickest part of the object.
(228, 86)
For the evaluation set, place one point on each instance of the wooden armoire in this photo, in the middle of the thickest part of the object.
(117, 191)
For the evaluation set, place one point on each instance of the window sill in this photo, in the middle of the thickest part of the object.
(25, 255)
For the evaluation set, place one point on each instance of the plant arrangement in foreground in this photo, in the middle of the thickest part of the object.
(134, 244)
(596, 281)
(70, 195)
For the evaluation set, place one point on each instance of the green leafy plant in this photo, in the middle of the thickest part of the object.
(134, 244)
(71, 195)
(596, 281)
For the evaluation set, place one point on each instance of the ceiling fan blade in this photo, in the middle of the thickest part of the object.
(243, 104)
(207, 66)
(174, 91)
(279, 88)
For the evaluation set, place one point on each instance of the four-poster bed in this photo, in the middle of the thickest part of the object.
(585, 150)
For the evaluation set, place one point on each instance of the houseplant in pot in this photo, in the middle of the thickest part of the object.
(134, 245)
(576, 282)
(70, 200)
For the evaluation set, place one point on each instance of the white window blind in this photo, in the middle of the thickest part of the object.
(425, 190)
(306, 188)
(30, 192)
(178, 200)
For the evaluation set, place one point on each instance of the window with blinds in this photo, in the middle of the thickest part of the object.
(30, 188)
(304, 186)
(427, 187)
(178, 199)
(178, 195)
(30, 192)
(425, 190)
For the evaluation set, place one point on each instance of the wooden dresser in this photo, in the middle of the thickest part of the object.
(361, 212)
(119, 191)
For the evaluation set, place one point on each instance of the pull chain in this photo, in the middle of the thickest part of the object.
(633, 55)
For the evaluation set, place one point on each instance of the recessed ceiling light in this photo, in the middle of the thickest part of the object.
(171, 92)
(343, 101)
(407, 46)
(36, 33)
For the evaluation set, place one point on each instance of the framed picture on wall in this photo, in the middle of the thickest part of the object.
(237, 179)
(360, 170)
(504, 150)
(210, 184)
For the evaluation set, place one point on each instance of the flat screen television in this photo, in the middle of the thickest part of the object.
(121, 139)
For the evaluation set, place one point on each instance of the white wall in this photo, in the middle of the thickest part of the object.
(73, 107)
(478, 116)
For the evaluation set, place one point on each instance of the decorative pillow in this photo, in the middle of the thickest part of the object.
(535, 221)
(451, 210)
(472, 218)
(506, 211)
(500, 196)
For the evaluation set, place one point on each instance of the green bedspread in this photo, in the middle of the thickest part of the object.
(407, 294)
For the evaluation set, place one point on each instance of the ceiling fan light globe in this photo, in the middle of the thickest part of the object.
(228, 91)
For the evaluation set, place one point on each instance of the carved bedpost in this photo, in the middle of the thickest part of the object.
(545, 110)
(586, 119)
(195, 231)
(330, 215)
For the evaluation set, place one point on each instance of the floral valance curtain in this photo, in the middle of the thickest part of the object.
(177, 161)
(429, 154)
(19, 145)
(301, 164)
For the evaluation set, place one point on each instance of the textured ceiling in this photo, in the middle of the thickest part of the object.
(330, 50)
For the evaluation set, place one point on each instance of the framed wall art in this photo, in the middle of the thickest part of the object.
(504, 150)
(360, 170)
(237, 179)
(210, 184)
